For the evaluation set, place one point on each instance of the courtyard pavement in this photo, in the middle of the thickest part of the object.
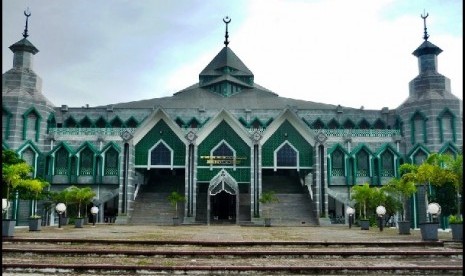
(225, 233)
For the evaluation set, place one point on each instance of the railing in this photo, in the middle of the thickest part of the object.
(360, 132)
(90, 131)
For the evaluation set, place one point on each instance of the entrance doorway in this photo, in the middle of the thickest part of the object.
(223, 208)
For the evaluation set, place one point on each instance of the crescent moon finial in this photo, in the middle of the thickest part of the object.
(425, 32)
(27, 13)
(226, 20)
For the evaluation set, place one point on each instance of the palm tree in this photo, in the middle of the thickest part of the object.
(362, 194)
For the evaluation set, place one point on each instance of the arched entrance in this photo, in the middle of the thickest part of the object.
(223, 199)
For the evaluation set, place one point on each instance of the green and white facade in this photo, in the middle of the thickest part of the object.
(223, 141)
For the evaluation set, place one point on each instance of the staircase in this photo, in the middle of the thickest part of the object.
(152, 206)
(295, 208)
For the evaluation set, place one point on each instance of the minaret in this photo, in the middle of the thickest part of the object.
(21, 78)
(429, 84)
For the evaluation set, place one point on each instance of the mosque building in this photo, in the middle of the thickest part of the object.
(224, 141)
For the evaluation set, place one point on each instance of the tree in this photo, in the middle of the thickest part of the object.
(403, 188)
(362, 194)
(80, 196)
(435, 170)
(174, 198)
(455, 165)
(268, 198)
(14, 170)
(32, 189)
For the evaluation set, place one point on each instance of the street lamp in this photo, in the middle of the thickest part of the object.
(94, 211)
(350, 211)
(60, 208)
(4, 205)
(434, 210)
(380, 210)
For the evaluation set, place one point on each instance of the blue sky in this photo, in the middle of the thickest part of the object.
(353, 53)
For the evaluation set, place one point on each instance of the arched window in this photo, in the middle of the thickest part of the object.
(419, 157)
(86, 162)
(70, 122)
(364, 124)
(101, 123)
(223, 150)
(379, 124)
(348, 124)
(116, 122)
(387, 164)
(111, 162)
(160, 155)
(61, 161)
(318, 124)
(337, 163)
(29, 156)
(333, 124)
(363, 164)
(85, 122)
(131, 123)
(286, 156)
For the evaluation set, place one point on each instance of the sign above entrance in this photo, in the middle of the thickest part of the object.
(223, 160)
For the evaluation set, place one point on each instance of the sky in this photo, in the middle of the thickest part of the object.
(353, 53)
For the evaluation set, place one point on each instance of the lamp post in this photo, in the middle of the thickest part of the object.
(94, 211)
(350, 211)
(60, 208)
(380, 210)
(434, 210)
(4, 205)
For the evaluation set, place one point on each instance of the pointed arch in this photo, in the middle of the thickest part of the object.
(32, 117)
(418, 154)
(60, 158)
(51, 122)
(101, 122)
(449, 148)
(338, 161)
(286, 156)
(363, 124)
(348, 124)
(194, 123)
(131, 122)
(85, 122)
(388, 161)
(226, 152)
(86, 155)
(334, 124)
(379, 124)
(160, 155)
(318, 124)
(363, 161)
(116, 122)
(243, 122)
(110, 159)
(30, 153)
(256, 123)
(70, 122)
(418, 127)
(446, 121)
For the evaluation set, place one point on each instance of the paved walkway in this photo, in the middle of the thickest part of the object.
(225, 233)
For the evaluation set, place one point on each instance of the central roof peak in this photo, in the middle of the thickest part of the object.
(226, 74)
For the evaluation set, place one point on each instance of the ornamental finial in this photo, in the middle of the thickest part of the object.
(226, 20)
(425, 33)
(27, 13)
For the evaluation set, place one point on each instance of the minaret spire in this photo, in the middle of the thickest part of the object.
(226, 20)
(27, 13)
(425, 33)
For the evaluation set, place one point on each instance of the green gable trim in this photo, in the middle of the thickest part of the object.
(418, 147)
(223, 132)
(131, 122)
(387, 147)
(450, 146)
(58, 146)
(101, 123)
(27, 144)
(446, 111)
(111, 145)
(70, 122)
(355, 153)
(85, 122)
(37, 125)
(287, 132)
(161, 131)
(88, 145)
